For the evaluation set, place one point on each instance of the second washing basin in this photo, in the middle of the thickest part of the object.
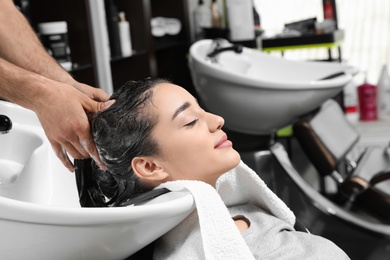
(257, 93)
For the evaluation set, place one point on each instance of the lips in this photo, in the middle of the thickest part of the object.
(223, 143)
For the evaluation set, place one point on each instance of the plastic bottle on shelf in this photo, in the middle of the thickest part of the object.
(258, 30)
(351, 101)
(240, 19)
(216, 18)
(202, 17)
(329, 15)
(328, 10)
(384, 94)
(54, 36)
(124, 35)
(367, 95)
(256, 20)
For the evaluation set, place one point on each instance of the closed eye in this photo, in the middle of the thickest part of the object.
(192, 123)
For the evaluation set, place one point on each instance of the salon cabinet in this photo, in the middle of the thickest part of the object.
(156, 57)
(89, 40)
(74, 12)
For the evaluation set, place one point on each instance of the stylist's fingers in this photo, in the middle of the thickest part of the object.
(93, 93)
(69, 139)
(99, 95)
(104, 105)
(75, 149)
(93, 107)
(89, 145)
(79, 146)
(62, 155)
(87, 140)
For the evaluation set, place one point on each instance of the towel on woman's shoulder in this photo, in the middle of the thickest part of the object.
(243, 186)
(211, 221)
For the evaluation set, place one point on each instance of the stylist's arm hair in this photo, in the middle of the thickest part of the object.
(31, 78)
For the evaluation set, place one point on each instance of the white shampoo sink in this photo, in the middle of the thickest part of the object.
(257, 93)
(40, 214)
(18, 146)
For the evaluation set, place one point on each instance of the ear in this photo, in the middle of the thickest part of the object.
(148, 168)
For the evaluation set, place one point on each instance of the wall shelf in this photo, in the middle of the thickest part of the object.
(88, 35)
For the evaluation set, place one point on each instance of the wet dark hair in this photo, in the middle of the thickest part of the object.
(121, 132)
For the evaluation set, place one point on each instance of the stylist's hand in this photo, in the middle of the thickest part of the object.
(62, 113)
(94, 93)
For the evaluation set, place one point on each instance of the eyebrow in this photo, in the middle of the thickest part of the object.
(181, 109)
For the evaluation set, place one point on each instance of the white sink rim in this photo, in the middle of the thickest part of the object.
(170, 204)
(198, 54)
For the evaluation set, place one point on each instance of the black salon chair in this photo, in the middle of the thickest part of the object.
(328, 138)
(344, 207)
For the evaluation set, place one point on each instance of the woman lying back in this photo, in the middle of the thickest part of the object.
(156, 132)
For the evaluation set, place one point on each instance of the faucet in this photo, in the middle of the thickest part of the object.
(5, 124)
(222, 45)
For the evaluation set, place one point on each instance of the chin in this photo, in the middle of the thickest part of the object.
(234, 159)
(238, 159)
(237, 154)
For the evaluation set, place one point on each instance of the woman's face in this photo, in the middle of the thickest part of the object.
(192, 144)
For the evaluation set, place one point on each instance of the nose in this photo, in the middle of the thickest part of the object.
(215, 122)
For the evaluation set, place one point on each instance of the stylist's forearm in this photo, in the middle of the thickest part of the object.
(20, 45)
(19, 85)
